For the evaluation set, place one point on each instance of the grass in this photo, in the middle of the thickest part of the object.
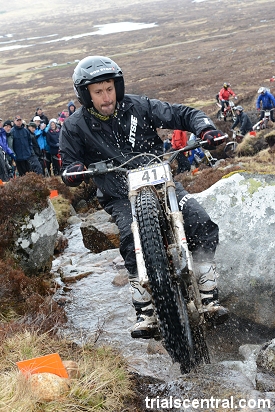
(104, 383)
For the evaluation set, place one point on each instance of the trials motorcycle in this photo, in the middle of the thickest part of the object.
(264, 122)
(164, 262)
(230, 111)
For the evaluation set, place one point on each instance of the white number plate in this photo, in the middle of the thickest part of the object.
(149, 175)
(267, 113)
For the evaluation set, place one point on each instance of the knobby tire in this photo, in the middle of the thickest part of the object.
(230, 149)
(170, 305)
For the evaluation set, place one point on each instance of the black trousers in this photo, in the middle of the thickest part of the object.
(23, 167)
(201, 232)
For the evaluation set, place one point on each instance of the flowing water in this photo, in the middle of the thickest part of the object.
(100, 312)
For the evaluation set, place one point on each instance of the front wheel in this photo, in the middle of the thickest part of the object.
(230, 149)
(169, 303)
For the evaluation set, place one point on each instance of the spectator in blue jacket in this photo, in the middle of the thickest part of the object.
(40, 134)
(22, 145)
(5, 150)
(4, 143)
(267, 100)
(52, 137)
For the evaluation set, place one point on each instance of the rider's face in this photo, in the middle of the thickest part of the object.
(103, 96)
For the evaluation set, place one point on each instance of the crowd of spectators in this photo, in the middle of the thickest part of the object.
(31, 146)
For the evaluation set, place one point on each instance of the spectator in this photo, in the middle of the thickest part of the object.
(43, 117)
(167, 143)
(63, 116)
(40, 133)
(224, 95)
(243, 120)
(7, 125)
(52, 137)
(179, 140)
(5, 150)
(22, 145)
(267, 101)
(71, 108)
(36, 157)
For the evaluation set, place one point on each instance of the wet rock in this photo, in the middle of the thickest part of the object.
(155, 347)
(99, 232)
(70, 273)
(266, 357)
(210, 384)
(118, 262)
(265, 382)
(61, 243)
(121, 279)
(73, 220)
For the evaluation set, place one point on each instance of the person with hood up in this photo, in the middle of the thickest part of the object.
(71, 107)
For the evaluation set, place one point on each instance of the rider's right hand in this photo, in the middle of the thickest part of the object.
(74, 180)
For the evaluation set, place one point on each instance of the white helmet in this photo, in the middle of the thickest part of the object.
(262, 90)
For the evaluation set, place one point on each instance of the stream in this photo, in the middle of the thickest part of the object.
(102, 313)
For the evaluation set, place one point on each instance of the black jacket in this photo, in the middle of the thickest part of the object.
(87, 139)
(245, 123)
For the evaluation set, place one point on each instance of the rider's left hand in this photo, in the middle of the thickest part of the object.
(213, 138)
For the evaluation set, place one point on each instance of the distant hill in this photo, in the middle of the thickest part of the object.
(185, 58)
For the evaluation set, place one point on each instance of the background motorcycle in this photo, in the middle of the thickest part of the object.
(164, 262)
(264, 122)
(230, 112)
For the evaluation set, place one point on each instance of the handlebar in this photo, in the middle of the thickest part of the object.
(103, 167)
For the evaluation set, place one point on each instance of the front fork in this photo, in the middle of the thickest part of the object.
(182, 258)
(141, 268)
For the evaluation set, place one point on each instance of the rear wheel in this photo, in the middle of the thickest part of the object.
(167, 296)
(220, 116)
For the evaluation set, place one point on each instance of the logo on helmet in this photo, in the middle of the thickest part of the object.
(103, 69)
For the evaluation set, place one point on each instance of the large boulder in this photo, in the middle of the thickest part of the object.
(243, 205)
(35, 243)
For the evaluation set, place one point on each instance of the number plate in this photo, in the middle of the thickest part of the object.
(149, 175)
(267, 113)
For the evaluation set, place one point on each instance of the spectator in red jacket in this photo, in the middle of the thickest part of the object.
(224, 95)
(179, 140)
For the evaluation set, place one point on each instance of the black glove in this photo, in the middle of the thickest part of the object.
(74, 180)
(213, 137)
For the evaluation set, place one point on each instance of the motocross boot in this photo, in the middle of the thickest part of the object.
(146, 326)
(214, 311)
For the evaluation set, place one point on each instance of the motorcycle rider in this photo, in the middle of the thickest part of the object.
(224, 95)
(243, 120)
(112, 125)
(267, 100)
